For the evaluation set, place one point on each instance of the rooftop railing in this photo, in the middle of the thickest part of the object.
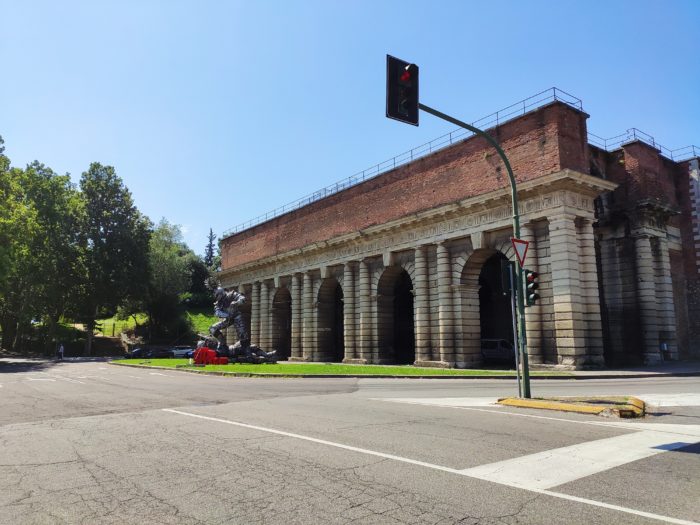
(494, 119)
(490, 121)
(633, 134)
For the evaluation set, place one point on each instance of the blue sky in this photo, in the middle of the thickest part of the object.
(214, 112)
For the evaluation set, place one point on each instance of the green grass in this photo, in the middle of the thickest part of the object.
(112, 327)
(296, 369)
(201, 319)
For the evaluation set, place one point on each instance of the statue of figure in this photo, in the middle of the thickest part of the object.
(227, 308)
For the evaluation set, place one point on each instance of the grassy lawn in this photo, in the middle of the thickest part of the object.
(201, 319)
(294, 369)
(112, 327)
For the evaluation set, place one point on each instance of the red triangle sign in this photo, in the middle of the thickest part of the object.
(520, 248)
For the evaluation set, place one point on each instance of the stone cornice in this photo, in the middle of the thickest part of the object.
(487, 212)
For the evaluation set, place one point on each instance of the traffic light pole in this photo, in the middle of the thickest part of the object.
(516, 233)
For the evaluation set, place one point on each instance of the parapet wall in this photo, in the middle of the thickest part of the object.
(539, 143)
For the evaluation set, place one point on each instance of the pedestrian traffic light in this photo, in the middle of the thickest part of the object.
(531, 286)
(401, 90)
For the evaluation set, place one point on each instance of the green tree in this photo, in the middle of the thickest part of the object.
(56, 261)
(209, 250)
(169, 264)
(18, 225)
(116, 246)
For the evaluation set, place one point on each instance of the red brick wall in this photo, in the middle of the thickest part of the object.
(647, 175)
(539, 143)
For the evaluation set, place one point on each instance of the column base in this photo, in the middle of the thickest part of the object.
(354, 361)
(653, 359)
(434, 364)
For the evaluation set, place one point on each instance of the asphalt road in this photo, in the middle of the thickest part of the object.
(89, 442)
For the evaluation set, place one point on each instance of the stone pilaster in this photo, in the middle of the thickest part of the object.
(308, 335)
(589, 293)
(255, 314)
(533, 314)
(446, 321)
(647, 300)
(296, 317)
(569, 326)
(264, 337)
(349, 311)
(421, 306)
(365, 314)
(664, 296)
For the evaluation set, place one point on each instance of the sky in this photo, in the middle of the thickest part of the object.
(215, 112)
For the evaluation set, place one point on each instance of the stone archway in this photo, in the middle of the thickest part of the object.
(395, 321)
(330, 326)
(483, 309)
(281, 329)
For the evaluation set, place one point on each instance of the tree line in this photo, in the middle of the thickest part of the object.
(84, 252)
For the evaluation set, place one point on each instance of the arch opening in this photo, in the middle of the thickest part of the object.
(331, 342)
(282, 323)
(495, 312)
(395, 321)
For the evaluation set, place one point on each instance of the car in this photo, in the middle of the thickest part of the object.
(181, 351)
(497, 350)
(149, 353)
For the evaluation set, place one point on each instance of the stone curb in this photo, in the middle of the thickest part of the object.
(571, 377)
(634, 407)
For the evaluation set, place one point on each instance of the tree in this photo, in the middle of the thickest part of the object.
(209, 250)
(168, 262)
(56, 261)
(17, 227)
(116, 246)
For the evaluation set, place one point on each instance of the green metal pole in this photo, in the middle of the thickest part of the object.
(516, 233)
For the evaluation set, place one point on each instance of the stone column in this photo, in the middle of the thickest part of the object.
(533, 314)
(365, 314)
(589, 292)
(471, 326)
(264, 337)
(349, 311)
(308, 336)
(569, 327)
(255, 314)
(667, 308)
(445, 304)
(421, 305)
(646, 298)
(296, 317)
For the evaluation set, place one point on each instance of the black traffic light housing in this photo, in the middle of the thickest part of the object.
(531, 286)
(401, 90)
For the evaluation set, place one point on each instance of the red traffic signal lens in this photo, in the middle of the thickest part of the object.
(405, 76)
(531, 276)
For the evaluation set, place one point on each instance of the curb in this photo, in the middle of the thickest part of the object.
(634, 407)
(571, 377)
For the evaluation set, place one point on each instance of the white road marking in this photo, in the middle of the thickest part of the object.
(156, 374)
(40, 379)
(551, 468)
(463, 472)
(447, 401)
(671, 400)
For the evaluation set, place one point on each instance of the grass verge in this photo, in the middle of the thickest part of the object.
(325, 369)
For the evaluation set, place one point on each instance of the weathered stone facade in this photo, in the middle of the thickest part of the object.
(404, 268)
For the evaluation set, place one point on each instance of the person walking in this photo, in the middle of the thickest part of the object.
(60, 351)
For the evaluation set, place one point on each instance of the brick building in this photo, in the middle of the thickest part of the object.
(404, 266)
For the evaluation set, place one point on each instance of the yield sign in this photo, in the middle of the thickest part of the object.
(520, 248)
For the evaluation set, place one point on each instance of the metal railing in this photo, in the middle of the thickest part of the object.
(633, 134)
(494, 119)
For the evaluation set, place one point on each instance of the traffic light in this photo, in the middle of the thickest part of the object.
(401, 90)
(531, 286)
